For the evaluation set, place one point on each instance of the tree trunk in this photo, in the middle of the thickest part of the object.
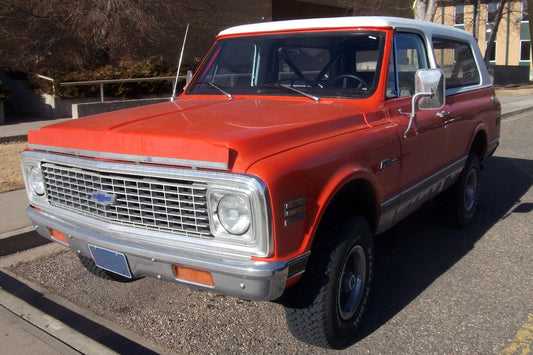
(425, 9)
(475, 25)
(497, 19)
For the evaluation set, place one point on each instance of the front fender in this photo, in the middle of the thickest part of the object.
(308, 177)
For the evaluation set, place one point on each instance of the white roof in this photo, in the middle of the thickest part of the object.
(343, 22)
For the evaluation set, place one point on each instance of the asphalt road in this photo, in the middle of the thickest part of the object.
(437, 290)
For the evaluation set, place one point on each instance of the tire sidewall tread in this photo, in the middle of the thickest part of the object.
(311, 309)
(451, 202)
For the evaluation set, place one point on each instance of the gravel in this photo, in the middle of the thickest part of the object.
(173, 316)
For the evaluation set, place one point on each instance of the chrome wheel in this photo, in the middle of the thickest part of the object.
(352, 283)
(471, 191)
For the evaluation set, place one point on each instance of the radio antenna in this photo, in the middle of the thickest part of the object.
(179, 65)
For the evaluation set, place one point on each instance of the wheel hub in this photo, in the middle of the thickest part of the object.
(352, 283)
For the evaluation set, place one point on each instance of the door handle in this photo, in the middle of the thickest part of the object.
(442, 114)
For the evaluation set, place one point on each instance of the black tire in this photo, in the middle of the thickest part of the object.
(326, 307)
(91, 266)
(458, 204)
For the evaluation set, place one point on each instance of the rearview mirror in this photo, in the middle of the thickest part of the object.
(430, 88)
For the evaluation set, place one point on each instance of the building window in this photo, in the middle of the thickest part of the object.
(525, 50)
(459, 15)
(492, 8)
(492, 51)
(525, 13)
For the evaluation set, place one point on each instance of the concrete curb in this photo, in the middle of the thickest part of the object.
(52, 326)
(28, 238)
(516, 112)
(80, 329)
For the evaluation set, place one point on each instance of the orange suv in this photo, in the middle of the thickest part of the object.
(293, 145)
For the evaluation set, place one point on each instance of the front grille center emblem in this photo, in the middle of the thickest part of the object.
(103, 198)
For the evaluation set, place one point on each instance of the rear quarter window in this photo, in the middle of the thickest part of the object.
(457, 61)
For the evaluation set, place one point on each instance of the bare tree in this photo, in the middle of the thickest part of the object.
(497, 19)
(107, 27)
(476, 19)
(424, 9)
(77, 35)
(74, 35)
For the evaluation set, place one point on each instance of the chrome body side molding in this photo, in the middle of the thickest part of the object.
(401, 205)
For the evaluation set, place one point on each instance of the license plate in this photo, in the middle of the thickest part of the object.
(110, 260)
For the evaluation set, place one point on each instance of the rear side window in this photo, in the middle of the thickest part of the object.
(457, 61)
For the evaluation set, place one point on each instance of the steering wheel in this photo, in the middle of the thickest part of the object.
(362, 83)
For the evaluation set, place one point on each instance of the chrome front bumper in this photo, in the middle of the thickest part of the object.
(234, 276)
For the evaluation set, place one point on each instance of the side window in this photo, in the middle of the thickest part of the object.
(457, 61)
(409, 56)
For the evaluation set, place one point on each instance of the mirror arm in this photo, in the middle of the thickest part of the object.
(411, 119)
(412, 114)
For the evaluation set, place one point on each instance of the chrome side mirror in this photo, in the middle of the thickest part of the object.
(430, 94)
(430, 84)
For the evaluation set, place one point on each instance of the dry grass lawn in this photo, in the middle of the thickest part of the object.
(10, 173)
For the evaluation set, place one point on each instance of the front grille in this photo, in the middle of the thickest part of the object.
(166, 205)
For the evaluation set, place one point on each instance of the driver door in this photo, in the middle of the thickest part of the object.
(423, 149)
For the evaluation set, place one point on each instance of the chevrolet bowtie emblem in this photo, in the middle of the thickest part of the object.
(103, 198)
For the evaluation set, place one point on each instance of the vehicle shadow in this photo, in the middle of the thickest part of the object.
(414, 253)
(21, 242)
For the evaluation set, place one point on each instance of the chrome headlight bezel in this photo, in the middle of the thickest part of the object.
(33, 179)
(252, 197)
(218, 221)
(36, 181)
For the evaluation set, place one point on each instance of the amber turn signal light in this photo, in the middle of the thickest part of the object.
(57, 235)
(194, 276)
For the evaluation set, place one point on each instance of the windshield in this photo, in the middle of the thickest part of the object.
(332, 64)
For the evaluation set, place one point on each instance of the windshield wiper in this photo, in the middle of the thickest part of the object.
(217, 88)
(291, 89)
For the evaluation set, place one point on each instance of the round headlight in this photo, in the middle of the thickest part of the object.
(36, 181)
(234, 214)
